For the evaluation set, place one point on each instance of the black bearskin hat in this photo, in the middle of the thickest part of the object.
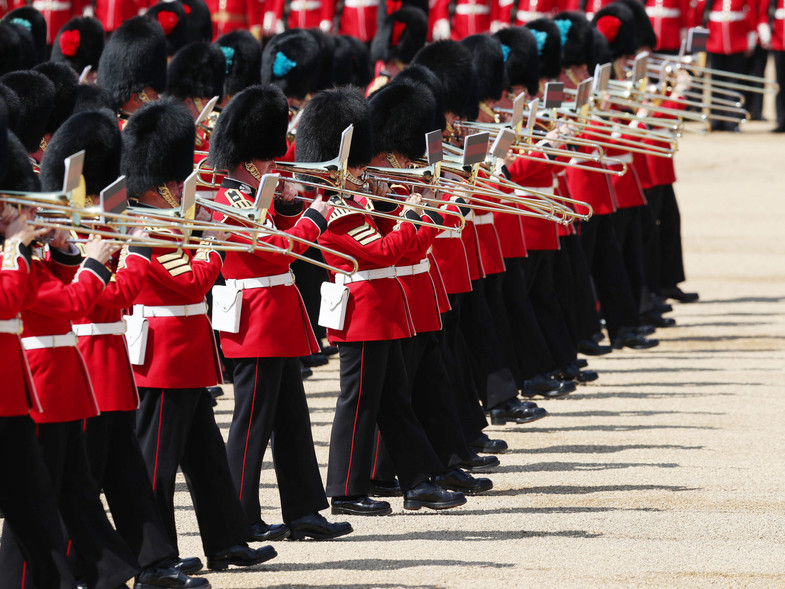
(252, 126)
(601, 51)
(90, 97)
(400, 36)
(32, 21)
(324, 119)
(324, 78)
(351, 62)
(3, 139)
(196, 71)
(644, 31)
(172, 18)
(79, 43)
(11, 49)
(243, 56)
(13, 106)
(291, 60)
(488, 63)
(66, 82)
(522, 67)
(577, 38)
(401, 115)
(19, 174)
(36, 95)
(98, 134)
(616, 22)
(453, 65)
(418, 75)
(548, 47)
(158, 146)
(134, 58)
(198, 24)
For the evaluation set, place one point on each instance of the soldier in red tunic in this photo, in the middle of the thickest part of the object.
(771, 30)
(274, 329)
(79, 43)
(175, 422)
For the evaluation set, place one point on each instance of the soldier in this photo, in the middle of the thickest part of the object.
(236, 15)
(400, 36)
(669, 20)
(268, 391)
(175, 422)
(243, 57)
(79, 43)
(771, 29)
(373, 379)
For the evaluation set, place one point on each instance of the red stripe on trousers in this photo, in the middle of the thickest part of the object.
(356, 414)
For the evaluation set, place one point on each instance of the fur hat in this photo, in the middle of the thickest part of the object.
(325, 117)
(243, 56)
(577, 38)
(11, 49)
(324, 78)
(31, 20)
(19, 174)
(351, 62)
(548, 47)
(198, 24)
(644, 31)
(601, 50)
(172, 18)
(134, 58)
(3, 139)
(418, 75)
(90, 97)
(36, 95)
(66, 83)
(616, 22)
(252, 126)
(98, 134)
(401, 115)
(13, 107)
(158, 146)
(488, 63)
(291, 60)
(522, 67)
(79, 43)
(400, 36)
(453, 65)
(196, 71)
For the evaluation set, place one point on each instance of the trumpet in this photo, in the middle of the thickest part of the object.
(696, 67)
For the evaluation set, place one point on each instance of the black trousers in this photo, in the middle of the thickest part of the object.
(629, 228)
(779, 69)
(603, 254)
(575, 289)
(29, 503)
(735, 63)
(176, 428)
(541, 288)
(309, 282)
(529, 343)
(374, 391)
(671, 253)
(269, 402)
(495, 376)
(118, 467)
(104, 559)
(756, 66)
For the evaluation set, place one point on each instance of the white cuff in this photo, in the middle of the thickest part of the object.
(441, 29)
(764, 32)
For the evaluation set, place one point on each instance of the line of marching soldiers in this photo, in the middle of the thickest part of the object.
(458, 304)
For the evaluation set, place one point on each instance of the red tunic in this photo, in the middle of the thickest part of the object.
(529, 10)
(106, 356)
(56, 14)
(774, 29)
(113, 13)
(473, 17)
(60, 375)
(731, 23)
(377, 309)
(16, 287)
(669, 19)
(359, 19)
(181, 351)
(305, 14)
(231, 15)
(273, 320)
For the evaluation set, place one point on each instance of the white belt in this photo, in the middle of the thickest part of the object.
(171, 310)
(484, 219)
(375, 274)
(624, 158)
(11, 326)
(286, 279)
(721, 16)
(87, 329)
(419, 268)
(360, 3)
(779, 14)
(527, 190)
(449, 234)
(472, 9)
(662, 12)
(305, 5)
(39, 342)
(528, 15)
(44, 5)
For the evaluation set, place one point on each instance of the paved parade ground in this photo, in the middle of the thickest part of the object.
(667, 471)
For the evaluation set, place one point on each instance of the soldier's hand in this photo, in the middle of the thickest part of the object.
(288, 193)
(60, 239)
(100, 250)
(216, 234)
(320, 206)
(414, 203)
(20, 229)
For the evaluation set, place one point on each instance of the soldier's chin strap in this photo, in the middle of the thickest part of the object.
(164, 193)
(489, 111)
(392, 160)
(251, 168)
